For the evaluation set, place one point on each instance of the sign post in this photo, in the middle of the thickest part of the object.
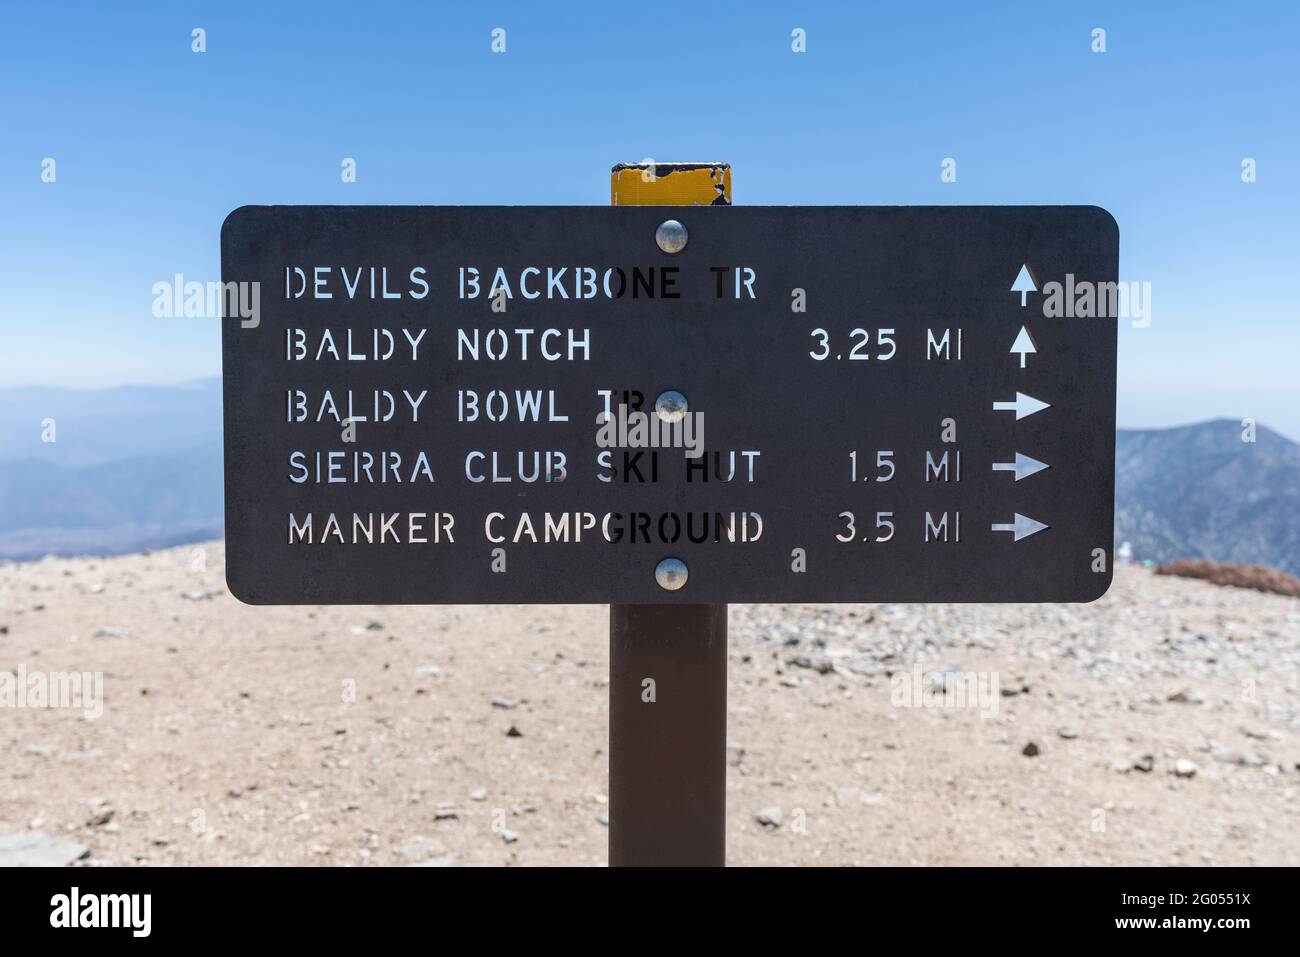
(667, 735)
(667, 409)
(668, 663)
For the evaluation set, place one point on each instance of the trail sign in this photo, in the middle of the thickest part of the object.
(704, 404)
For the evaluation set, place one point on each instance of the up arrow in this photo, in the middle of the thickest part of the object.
(1022, 527)
(1024, 283)
(1023, 466)
(1024, 345)
(1023, 405)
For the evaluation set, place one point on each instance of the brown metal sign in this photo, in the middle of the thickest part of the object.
(704, 404)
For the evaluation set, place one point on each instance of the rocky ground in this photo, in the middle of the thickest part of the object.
(1160, 725)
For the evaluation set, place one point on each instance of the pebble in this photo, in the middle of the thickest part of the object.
(770, 817)
(1184, 768)
(99, 817)
(845, 797)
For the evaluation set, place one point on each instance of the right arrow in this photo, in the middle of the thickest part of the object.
(1022, 527)
(1022, 406)
(1024, 344)
(1023, 466)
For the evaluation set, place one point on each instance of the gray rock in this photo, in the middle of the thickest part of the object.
(770, 817)
(864, 665)
(99, 816)
(1264, 735)
(735, 754)
(1184, 768)
(846, 797)
(39, 850)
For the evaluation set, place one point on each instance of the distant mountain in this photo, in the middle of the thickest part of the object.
(150, 501)
(1199, 491)
(129, 468)
(141, 467)
(94, 426)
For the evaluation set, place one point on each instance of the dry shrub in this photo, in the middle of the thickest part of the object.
(1239, 576)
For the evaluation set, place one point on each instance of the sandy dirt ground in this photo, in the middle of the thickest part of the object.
(460, 735)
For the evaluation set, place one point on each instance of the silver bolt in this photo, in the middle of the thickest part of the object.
(671, 236)
(671, 406)
(671, 574)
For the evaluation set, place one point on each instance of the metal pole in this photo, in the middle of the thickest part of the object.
(667, 735)
(668, 663)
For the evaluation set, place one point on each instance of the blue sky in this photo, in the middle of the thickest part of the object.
(155, 144)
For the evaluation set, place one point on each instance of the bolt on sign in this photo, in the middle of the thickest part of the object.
(702, 404)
